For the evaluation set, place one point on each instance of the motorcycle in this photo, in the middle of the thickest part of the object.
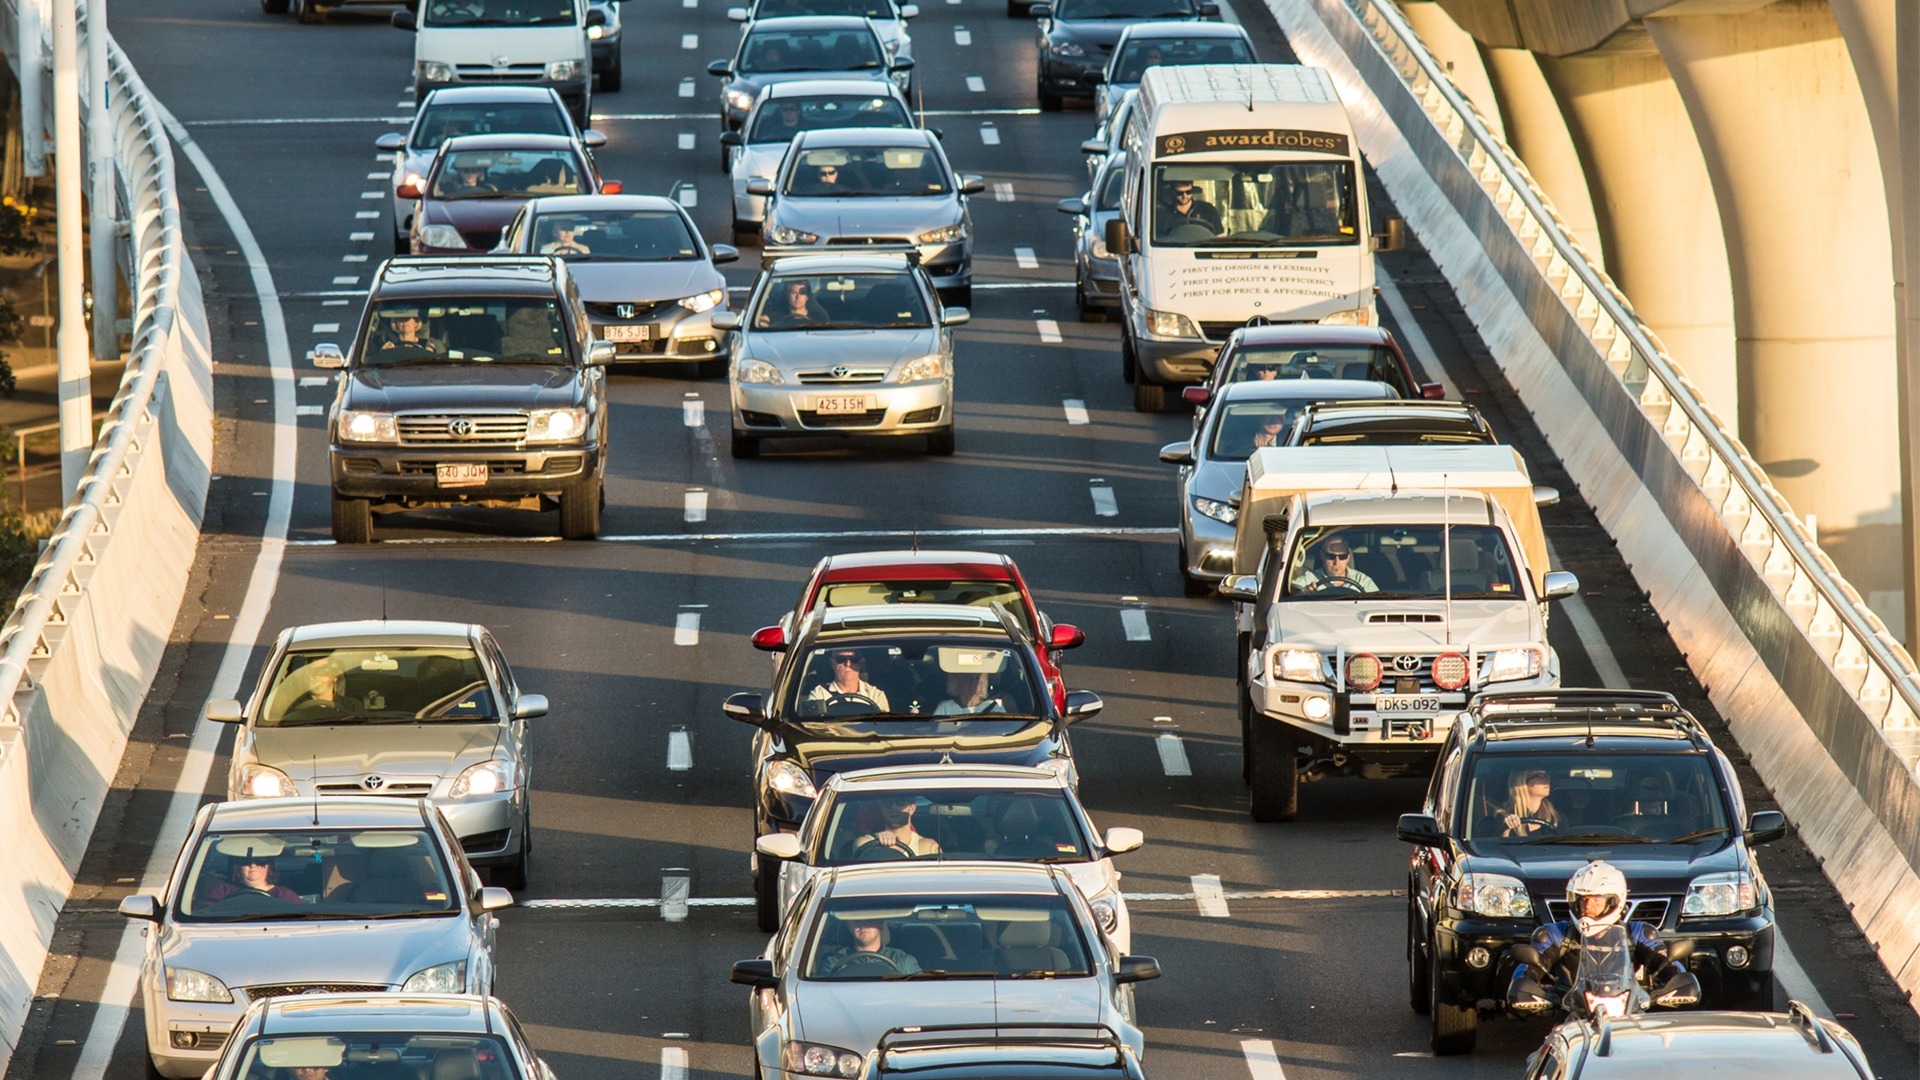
(1606, 983)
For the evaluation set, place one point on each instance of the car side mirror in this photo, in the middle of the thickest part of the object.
(901, 64)
(1433, 391)
(1121, 840)
(327, 355)
(1177, 453)
(1075, 206)
(725, 253)
(726, 320)
(1083, 705)
(770, 638)
(955, 316)
(530, 706)
(1093, 146)
(909, 11)
(1209, 11)
(141, 906)
(1420, 829)
(720, 69)
(746, 708)
(1066, 636)
(1766, 826)
(407, 189)
(1240, 587)
(759, 185)
(493, 899)
(731, 138)
(972, 185)
(1040, 11)
(224, 711)
(601, 354)
(611, 187)
(756, 973)
(1392, 235)
(1133, 969)
(1559, 584)
(780, 845)
(1092, 78)
(392, 140)
(1196, 395)
(1119, 240)
(1545, 496)
(592, 139)
(596, 17)
(737, 14)
(405, 19)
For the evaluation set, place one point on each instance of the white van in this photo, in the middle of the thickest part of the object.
(504, 43)
(1245, 199)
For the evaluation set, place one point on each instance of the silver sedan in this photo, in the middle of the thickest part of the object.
(1096, 273)
(842, 346)
(784, 110)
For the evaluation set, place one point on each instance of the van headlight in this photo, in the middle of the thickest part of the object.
(1360, 316)
(1299, 665)
(789, 779)
(948, 234)
(563, 71)
(259, 781)
(556, 425)
(368, 427)
(1169, 324)
(1728, 893)
(924, 369)
(433, 71)
(442, 236)
(438, 979)
(186, 984)
(1503, 665)
(1099, 250)
(486, 778)
(703, 302)
(1496, 895)
(758, 372)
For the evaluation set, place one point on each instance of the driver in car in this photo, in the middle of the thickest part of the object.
(870, 951)
(896, 837)
(251, 873)
(848, 683)
(1332, 568)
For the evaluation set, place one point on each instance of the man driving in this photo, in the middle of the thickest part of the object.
(1332, 569)
(870, 953)
(848, 682)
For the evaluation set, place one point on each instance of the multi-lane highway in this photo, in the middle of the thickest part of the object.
(1282, 945)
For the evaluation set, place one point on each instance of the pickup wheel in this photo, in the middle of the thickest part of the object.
(1453, 1028)
(580, 510)
(1148, 397)
(1276, 769)
(352, 521)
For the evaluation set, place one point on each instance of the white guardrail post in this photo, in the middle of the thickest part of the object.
(1823, 699)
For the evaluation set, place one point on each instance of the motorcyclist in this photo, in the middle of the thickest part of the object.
(1596, 899)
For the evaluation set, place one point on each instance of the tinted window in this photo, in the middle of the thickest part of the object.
(315, 874)
(979, 937)
(524, 330)
(615, 235)
(779, 121)
(497, 13)
(1634, 797)
(810, 50)
(373, 686)
(843, 172)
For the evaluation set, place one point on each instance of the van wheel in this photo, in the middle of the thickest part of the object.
(352, 521)
(1453, 1028)
(1276, 769)
(580, 510)
(1148, 397)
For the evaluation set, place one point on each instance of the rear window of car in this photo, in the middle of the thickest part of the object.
(778, 121)
(441, 122)
(1316, 362)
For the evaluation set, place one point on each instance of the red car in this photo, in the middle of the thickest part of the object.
(1311, 351)
(929, 577)
(479, 182)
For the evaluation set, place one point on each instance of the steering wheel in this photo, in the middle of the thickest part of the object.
(1339, 581)
(845, 704)
(855, 958)
(872, 850)
(1534, 824)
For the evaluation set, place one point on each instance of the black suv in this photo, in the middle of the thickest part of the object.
(904, 667)
(1634, 780)
(1003, 1052)
(471, 382)
(1390, 423)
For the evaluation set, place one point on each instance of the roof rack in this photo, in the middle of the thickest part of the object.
(1526, 712)
(1802, 1017)
(1645, 702)
(923, 1037)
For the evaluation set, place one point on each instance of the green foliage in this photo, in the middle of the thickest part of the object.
(20, 538)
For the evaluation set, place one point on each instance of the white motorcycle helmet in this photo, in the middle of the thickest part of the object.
(1597, 879)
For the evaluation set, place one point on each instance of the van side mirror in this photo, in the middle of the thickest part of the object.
(1560, 584)
(1766, 826)
(1119, 240)
(1240, 587)
(405, 19)
(1544, 495)
(1392, 235)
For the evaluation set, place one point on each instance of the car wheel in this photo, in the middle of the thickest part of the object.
(1189, 584)
(745, 232)
(766, 897)
(1148, 397)
(1276, 769)
(1129, 360)
(307, 11)
(513, 876)
(610, 78)
(940, 443)
(274, 7)
(714, 368)
(959, 296)
(402, 244)
(743, 446)
(580, 510)
(1453, 1028)
(726, 158)
(1050, 102)
(1757, 995)
(352, 521)
(1419, 979)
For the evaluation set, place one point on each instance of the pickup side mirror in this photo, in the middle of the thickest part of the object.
(1420, 829)
(972, 185)
(756, 973)
(1177, 453)
(224, 711)
(1133, 969)
(327, 355)
(1763, 827)
(601, 354)
(1545, 496)
(592, 139)
(726, 320)
(779, 845)
(1075, 206)
(1392, 235)
(1066, 636)
(405, 19)
(732, 138)
(1196, 395)
(392, 140)
(1121, 840)
(725, 253)
(720, 69)
(493, 899)
(141, 906)
(1240, 587)
(746, 708)
(955, 316)
(1083, 705)
(759, 185)
(530, 706)
(1119, 241)
(1560, 584)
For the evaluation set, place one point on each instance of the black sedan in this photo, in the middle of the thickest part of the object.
(1077, 35)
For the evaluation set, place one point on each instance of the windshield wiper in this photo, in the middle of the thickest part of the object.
(1045, 974)
(1692, 836)
(937, 974)
(1590, 838)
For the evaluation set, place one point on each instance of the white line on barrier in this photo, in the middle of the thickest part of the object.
(1263, 1061)
(679, 750)
(1209, 896)
(1048, 533)
(693, 410)
(696, 504)
(1002, 191)
(673, 1059)
(686, 140)
(686, 628)
(1104, 504)
(976, 84)
(1025, 258)
(1133, 620)
(1076, 411)
(1049, 330)
(1173, 757)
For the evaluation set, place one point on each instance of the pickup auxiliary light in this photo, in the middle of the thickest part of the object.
(1450, 671)
(1364, 671)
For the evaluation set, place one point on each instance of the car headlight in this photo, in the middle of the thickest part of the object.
(1217, 510)
(893, 46)
(433, 71)
(705, 301)
(595, 33)
(1105, 912)
(1728, 893)
(1099, 249)
(563, 70)
(1066, 48)
(1495, 895)
(1501, 665)
(1362, 316)
(259, 781)
(819, 1059)
(442, 236)
(1062, 767)
(758, 371)
(933, 366)
(438, 979)
(556, 425)
(186, 984)
(789, 779)
(950, 234)
(369, 427)
(783, 234)
(412, 179)
(1170, 324)
(1299, 665)
(486, 778)
(739, 100)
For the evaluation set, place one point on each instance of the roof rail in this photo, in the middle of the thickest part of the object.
(919, 1037)
(1801, 1016)
(1641, 701)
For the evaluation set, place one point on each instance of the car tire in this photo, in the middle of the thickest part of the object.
(352, 521)
(274, 7)
(743, 446)
(1129, 360)
(941, 443)
(580, 510)
(766, 898)
(1050, 102)
(610, 78)
(1190, 585)
(1018, 10)
(1275, 795)
(713, 368)
(745, 232)
(307, 11)
(960, 296)
(402, 244)
(1757, 997)
(513, 876)
(1419, 977)
(1452, 1028)
(1148, 397)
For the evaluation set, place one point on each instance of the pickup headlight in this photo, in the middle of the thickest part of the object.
(760, 372)
(706, 301)
(789, 779)
(259, 781)
(1217, 510)
(739, 100)
(951, 234)
(925, 368)
(783, 234)
(1299, 665)
(1362, 316)
(556, 425)
(442, 236)
(438, 979)
(819, 1059)
(1169, 324)
(486, 778)
(1728, 893)
(1066, 48)
(563, 71)
(368, 427)
(1502, 665)
(1105, 912)
(1495, 895)
(186, 984)
(433, 71)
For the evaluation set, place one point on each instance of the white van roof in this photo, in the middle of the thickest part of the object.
(1191, 98)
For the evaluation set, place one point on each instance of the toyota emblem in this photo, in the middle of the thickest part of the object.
(500, 60)
(1407, 663)
(460, 427)
(374, 783)
(840, 371)
(626, 311)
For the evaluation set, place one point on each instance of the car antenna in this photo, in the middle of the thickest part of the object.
(915, 542)
(313, 777)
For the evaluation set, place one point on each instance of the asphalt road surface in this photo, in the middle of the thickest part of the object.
(1298, 973)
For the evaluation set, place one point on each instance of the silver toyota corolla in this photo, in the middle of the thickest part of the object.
(296, 896)
(784, 110)
(405, 710)
(843, 345)
(802, 47)
(874, 186)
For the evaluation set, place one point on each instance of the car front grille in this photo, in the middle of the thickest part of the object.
(487, 73)
(1647, 909)
(479, 428)
(398, 789)
(852, 375)
(640, 311)
(495, 467)
(869, 418)
(867, 241)
(255, 993)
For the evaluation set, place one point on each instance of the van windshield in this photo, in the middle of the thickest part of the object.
(1254, 204)
(498, 13)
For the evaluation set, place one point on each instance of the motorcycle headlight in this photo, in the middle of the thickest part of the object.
(433, 71)
(758, 371)
(438, 979)
(556, 425)
(1502, 665)
(950, 234)
(1728, 893)
(1217, 510)
(1062, 767)
(933, 366)
(705, 301)
(1495, 895)
(486, 778)
(368, 427)
(1105, 912)
(1299, 665)
(1351, 317)
(442, 236)
(186, 984)
(563, 70)
(739, 100)
(1067, 48)
(259, 781)
(789, 779)
(783, 234)
(1099, 250)
(1170, 324)
(819, 1059)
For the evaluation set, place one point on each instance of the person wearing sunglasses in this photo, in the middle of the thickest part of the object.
(847, 689)
(1332, 569)
(1181, 203)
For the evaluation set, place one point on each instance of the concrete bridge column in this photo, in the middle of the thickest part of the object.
(1787, 143)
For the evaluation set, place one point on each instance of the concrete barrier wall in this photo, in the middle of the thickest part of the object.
(1820, 696)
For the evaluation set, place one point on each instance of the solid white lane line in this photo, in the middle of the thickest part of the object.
(674, 890)
(1792, 978)
(1133, 622)
(1592, 639)
(309, 410)
(1104, 504)
(962, 36)
(696, 504)
(1173, 757)
(1002, 192)
(1049, 330)
(1132, 898)
(686, 87)
(1120, 531)
(686, 628)
(693, 411)
(679, 750)
(315, 380)
(689, 41)
(360, 237)
(1076, 411)
(1025, 258)
(326, 328)
(673, 1059)
(333, 303)
(1263, 1061)
(1209, 896)
(686, 140)
(976, 84)
(1410, 332)
(989, 135)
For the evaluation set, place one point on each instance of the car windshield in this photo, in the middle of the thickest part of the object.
(866, 9)
(1592, 797)
(347, 1055)
(1340, 562)
(881, 301)
(386, 685)
(1122, 9)
(293, 874)
(502, 330)
(845, 172)
(771, 51)
(954, 823)
(1144, 53)
(1237, 428)
(497, 13)
(963, 592)
(442, 121)
(952, 937)
(779, 120)
(1258, 361)
(615, 236)
(913, 679)
(1254, 204)
(509, 174)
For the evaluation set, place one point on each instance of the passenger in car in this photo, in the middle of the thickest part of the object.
(967, 693)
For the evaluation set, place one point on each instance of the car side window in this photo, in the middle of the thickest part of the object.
(782, 948)
(498, 659)
(1446, 782)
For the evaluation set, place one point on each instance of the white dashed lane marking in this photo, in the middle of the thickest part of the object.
(575, 903)
(1173, 755)
(353, 258)
(1049, 330)
(1076, 410)
(372, 194)
(689, 41)
(686, 140)
(679, 750)
(1003, 192)
(309, 410)
(367, 215)
(686, 87)
(686, 195)
(674, 890)
(686, 628)
(347, 279)
(1208, 894)
(962, 36)
(326, 328)
(359, 237)
(693, 411)
(989, 135)
(1263, 1061)
(976, 84)
(307, 381)
(696, 504)
(1026, 259)
(1104, 504)
(1133, 619)
(673, 1059)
